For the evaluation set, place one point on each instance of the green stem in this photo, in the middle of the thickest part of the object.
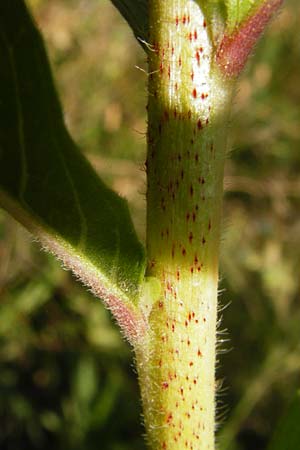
(188, 117)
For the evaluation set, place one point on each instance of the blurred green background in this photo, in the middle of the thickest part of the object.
(66, 376)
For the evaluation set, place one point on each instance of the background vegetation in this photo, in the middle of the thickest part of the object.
(66, 377)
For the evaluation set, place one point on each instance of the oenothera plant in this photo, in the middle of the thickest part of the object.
(165, 297)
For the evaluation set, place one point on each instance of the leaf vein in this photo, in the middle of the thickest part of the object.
(83, 223)
(20, 122)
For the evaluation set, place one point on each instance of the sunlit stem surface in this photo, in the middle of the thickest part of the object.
(188, 112)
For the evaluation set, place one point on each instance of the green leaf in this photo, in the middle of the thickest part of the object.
(238, 11)
(48, 185)
(135, 12)
(287, 435)
(214, 9)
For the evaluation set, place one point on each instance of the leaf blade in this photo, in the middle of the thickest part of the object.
(47, 184)
(238, 10)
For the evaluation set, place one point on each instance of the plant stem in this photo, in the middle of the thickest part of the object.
(188, 110)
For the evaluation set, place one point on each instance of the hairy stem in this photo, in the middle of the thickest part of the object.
(188, 117)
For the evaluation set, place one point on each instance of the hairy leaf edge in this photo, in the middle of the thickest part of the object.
(130, 319)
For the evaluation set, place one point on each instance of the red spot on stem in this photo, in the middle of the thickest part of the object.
(169, 417)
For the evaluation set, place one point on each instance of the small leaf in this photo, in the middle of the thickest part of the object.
(135, 12)
(287, 435)
(48, 185)
(238, 10)
(213, 9)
